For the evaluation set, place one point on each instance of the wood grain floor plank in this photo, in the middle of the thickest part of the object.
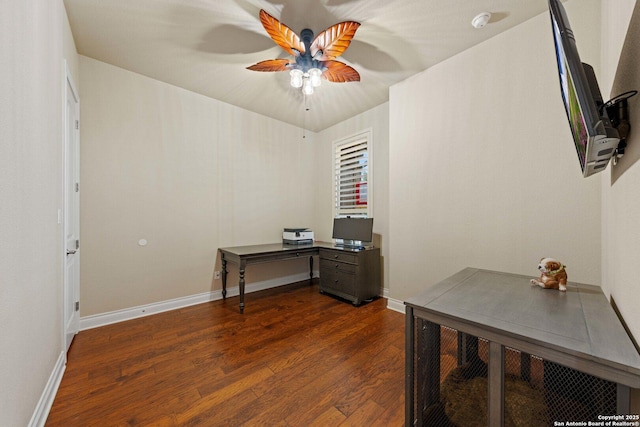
(366, 415)
(294, 358)
(330, 417)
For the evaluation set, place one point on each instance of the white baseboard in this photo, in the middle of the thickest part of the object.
(43, 407)
(103, 319)
(396, 305)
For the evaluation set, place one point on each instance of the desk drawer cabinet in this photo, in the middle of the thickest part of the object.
(338, 283)
(352, 275)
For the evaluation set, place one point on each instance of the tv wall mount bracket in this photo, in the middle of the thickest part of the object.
(617, 110)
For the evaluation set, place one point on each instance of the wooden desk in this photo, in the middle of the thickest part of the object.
(360, 281)
(255, 254)
(577, 329)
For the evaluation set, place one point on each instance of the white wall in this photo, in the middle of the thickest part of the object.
(621, 203)
(31, 135)
(483, 171)
(187, 173)
(376, 120)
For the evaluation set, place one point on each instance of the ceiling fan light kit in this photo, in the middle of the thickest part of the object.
(306, 80)
(314, 58)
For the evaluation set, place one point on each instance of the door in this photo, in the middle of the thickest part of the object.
(71, 292)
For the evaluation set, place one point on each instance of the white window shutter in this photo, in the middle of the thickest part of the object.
(351, 177)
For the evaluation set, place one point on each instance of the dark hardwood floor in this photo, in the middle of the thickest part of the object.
(294, 358)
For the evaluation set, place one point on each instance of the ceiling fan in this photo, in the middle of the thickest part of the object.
(313, 58)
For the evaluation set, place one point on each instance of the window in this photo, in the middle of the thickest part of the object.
(352, 176)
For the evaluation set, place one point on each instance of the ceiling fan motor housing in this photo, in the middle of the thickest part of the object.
(305, 61)
(306, 36)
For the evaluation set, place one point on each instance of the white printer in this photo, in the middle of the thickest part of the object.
(297, 236)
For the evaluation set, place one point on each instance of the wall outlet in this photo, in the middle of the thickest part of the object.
(216, 275)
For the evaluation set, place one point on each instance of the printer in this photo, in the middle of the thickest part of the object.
(297, 236)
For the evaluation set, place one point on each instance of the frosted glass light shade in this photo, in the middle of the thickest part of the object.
(307, 87)
(315, 76)
(296, 78)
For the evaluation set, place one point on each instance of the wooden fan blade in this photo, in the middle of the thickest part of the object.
(333, 41)
(284, 36)
(338, 72)
(271, 65)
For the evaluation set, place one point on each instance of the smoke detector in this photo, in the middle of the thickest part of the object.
(481, 20)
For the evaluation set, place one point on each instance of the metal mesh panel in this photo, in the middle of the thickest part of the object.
(555, 392)
(524, 399)
(463, 391)
(446, 360)
(574, 395)
(451, 384)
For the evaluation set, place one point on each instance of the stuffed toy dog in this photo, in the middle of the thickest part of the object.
(553, 275)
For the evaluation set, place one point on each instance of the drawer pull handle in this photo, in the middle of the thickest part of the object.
(297, 253)
(335, 256)
(336, 265)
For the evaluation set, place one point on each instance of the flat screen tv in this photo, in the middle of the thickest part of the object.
(595, 139)
(353, 231)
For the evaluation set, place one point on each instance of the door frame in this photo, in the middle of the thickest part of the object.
(67, 140)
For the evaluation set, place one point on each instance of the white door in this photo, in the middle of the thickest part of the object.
(71, 292)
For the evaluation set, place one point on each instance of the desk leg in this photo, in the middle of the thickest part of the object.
(224, 278)
(241, 269)
(311, 270)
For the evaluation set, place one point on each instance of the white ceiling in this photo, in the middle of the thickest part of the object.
(205, 45)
